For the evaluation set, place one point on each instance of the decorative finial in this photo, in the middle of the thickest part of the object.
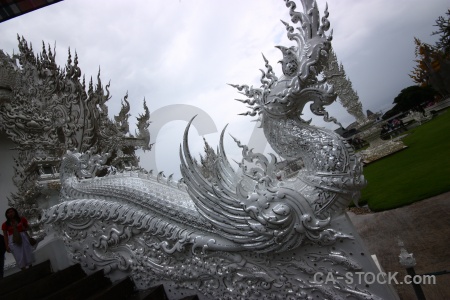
(406, 259)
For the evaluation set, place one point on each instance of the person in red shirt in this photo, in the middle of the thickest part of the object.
(16, 238)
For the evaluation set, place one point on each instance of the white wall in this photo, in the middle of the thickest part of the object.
(6, 172)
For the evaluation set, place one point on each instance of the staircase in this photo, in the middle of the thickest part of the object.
(72, 283)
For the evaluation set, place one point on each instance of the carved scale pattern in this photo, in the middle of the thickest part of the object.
(112, 236)
(332, 170)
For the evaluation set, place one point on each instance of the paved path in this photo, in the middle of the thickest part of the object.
(424, 228)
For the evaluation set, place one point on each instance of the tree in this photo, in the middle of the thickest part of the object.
(413, 96)
(420, 73)
(443, 24)
(433, 62)
(410, 98)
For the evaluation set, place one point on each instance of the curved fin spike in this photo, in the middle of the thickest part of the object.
(185, 149)
(265, 59)
(186, 133)
(222, 150)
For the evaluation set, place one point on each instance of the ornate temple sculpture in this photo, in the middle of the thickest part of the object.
(420, 117)
(335, 75)
(268, 230)
(378, 147)
(45, 111)
(367, 129)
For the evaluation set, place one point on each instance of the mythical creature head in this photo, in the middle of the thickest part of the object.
(307, 59)
(301, 66)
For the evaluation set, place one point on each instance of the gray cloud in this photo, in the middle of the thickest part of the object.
(184, 52)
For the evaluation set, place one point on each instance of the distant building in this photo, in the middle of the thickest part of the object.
(373, 116)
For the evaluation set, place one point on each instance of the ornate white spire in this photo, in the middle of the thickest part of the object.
(348, 97)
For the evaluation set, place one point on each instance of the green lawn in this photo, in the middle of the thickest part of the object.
(416, 173)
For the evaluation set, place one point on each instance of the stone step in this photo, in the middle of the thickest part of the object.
(83, 288)
(23, 278)
(155, 293)
(48, 284)
(72, 283)
(123, 289)
(194, 297)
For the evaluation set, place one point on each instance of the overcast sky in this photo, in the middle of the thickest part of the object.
(184, 52)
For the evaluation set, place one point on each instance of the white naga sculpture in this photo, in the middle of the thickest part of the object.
(264, 231)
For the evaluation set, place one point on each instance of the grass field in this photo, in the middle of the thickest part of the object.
(416, 173)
